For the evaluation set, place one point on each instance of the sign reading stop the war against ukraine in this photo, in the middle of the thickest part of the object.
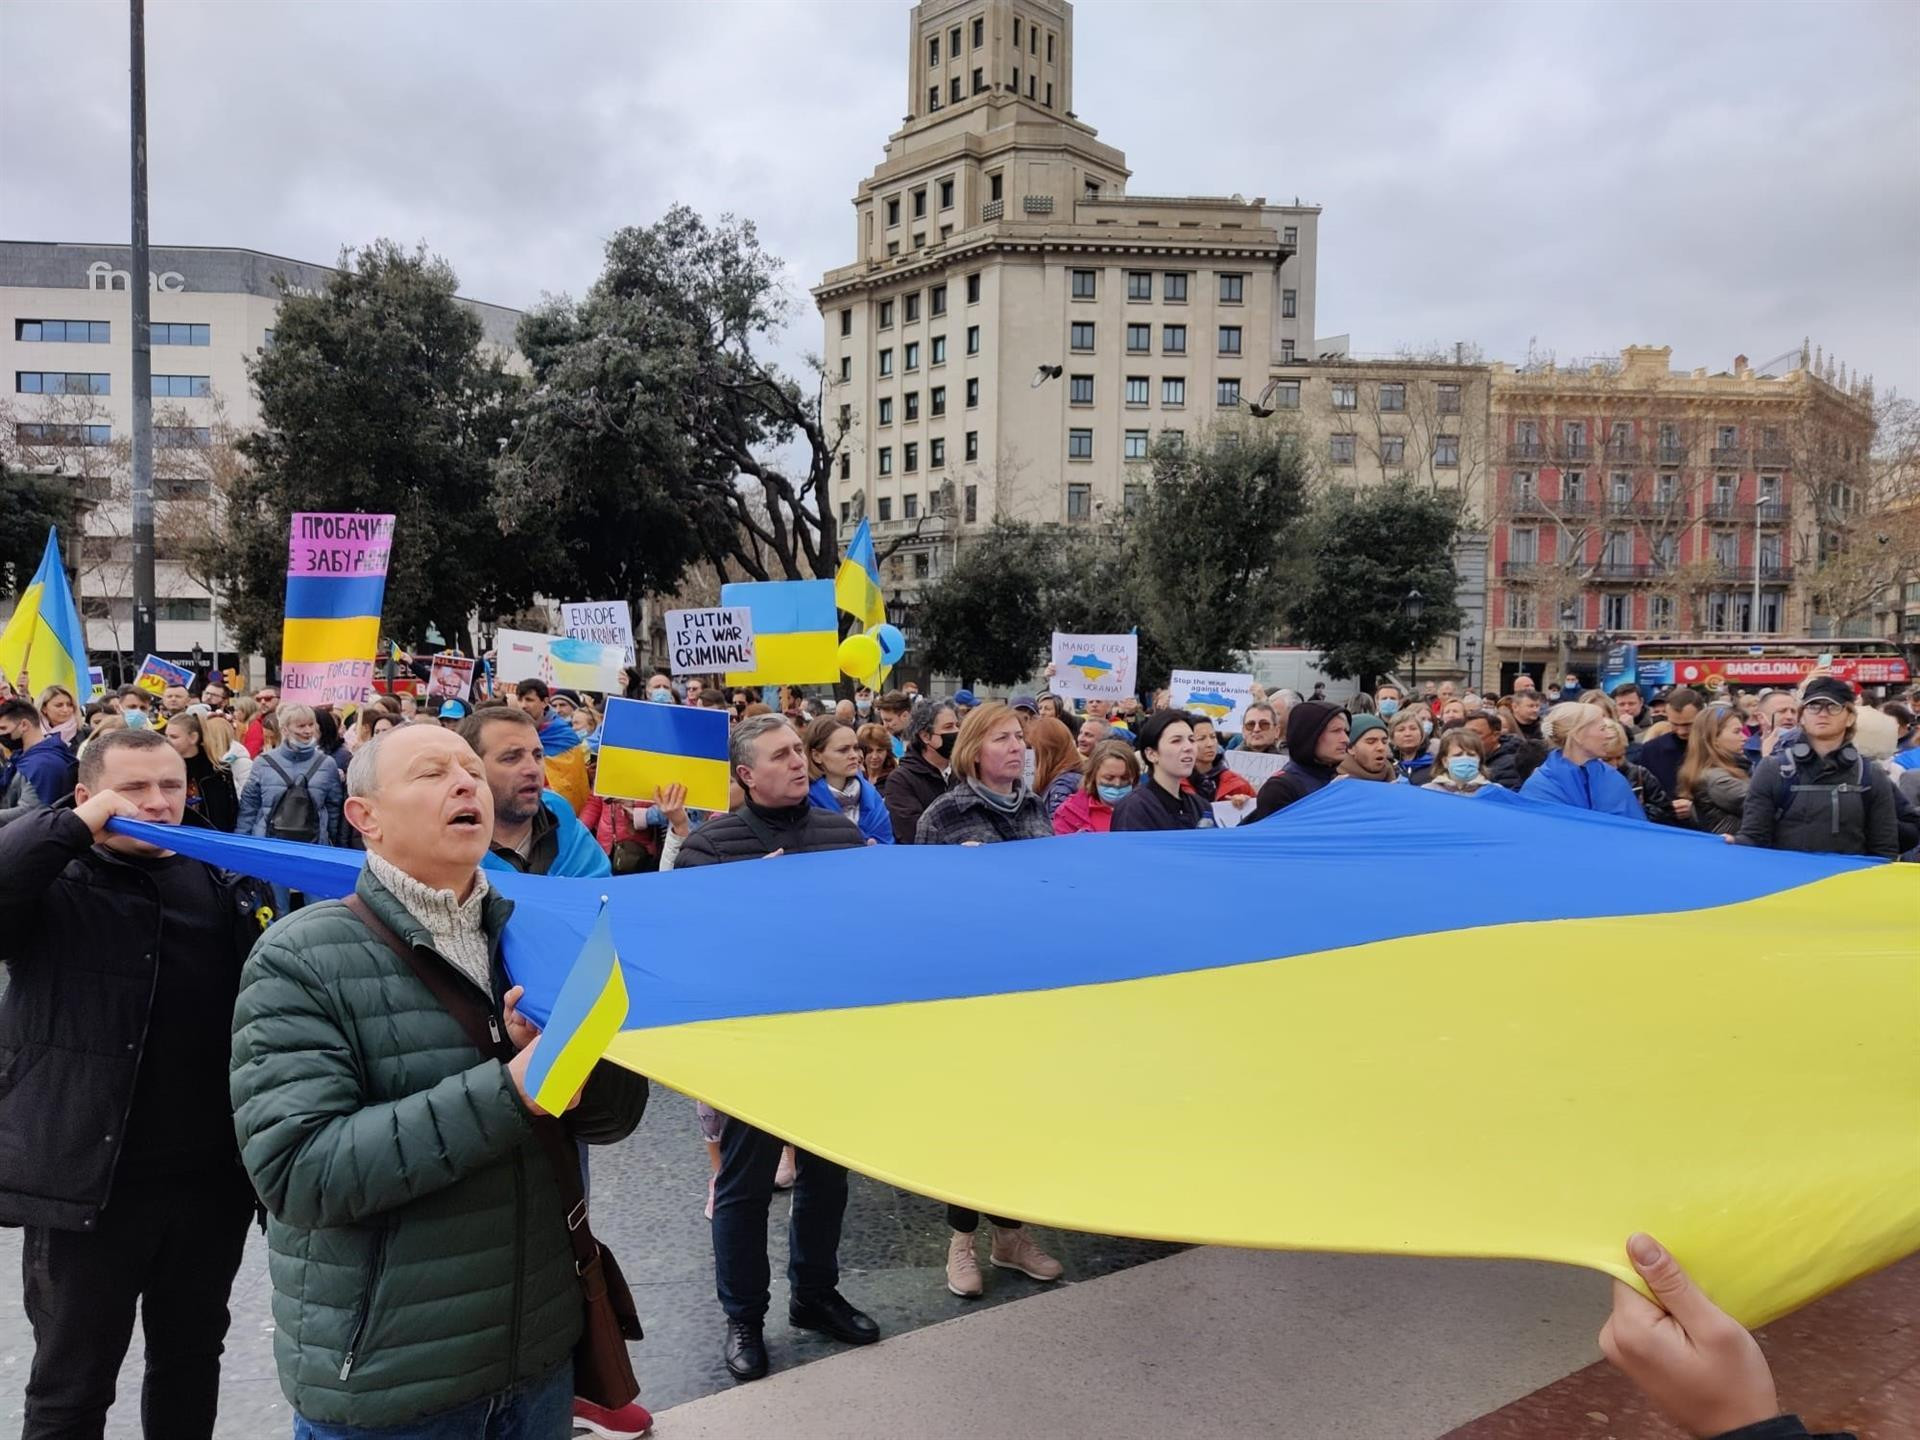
(336, 581)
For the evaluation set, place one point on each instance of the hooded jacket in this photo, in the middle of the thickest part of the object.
(1304, 774)
(49, 766)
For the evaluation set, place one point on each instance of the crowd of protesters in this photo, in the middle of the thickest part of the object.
(403, 1181)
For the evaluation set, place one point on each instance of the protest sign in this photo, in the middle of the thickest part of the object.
(96, 682)
(1257, 766)
(584, 664)
(705, 642)
(336, 580)
(1221, 697)
(645, 747)
(449, 677)
(156, 674)
(1095, 667)
(522, 655)
(604, 622)
(796, 634)
(1226, 815)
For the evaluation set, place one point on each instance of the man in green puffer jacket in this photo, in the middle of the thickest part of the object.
(420, 1259)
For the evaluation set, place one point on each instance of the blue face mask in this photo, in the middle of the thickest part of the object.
(660, 697)
(1114, 794)
(1463, 768)
(136, 719)
(1387, 707)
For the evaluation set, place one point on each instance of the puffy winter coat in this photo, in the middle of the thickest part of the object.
(1833, 804)
(1719, 800)
(416, 1239)
(1082, 812)
(754, 831)
(265, 787)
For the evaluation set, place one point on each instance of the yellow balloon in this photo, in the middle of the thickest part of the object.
(859, 656)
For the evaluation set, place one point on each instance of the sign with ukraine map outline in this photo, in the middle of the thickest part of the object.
(1095, 667)
(1221, 697)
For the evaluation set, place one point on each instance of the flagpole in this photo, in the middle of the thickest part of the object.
(145, 640)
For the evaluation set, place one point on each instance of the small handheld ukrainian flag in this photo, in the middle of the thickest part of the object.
(856, 586)
(45, 637)
(588, 1012)
(646, 746)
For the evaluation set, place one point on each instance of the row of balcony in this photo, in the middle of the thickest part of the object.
(1772, 572)
(1525, 452)
(1770, 512)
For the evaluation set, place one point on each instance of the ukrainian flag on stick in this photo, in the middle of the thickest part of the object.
(796, 634)
(588, 1012)
(856, 588)
(45, 638)
(645, 746)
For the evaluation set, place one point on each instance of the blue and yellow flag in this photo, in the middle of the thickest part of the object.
(856, 588)
(587, 1013)
(645, 746)
(45, 638)
(1598, 1026)
(796, 633)
(332, 617)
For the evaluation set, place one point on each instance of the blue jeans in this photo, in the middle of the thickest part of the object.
(741, 1197)
(535, 1410)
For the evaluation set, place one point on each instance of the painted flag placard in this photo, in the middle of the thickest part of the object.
(587, 1013)
(604, 622)
(584, 664)
(703, 642)
(522, 655)
(645, 746)
(1095, 667)
(796, 631)
(450, 677)
(336, 582)
(156, 675)
(1221, 697)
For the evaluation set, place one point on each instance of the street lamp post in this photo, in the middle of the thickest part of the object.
(1413, 606)
(1469, 645)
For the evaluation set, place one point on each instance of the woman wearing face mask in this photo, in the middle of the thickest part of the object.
(1407, 740)
(1712, 774)
(921, 778)
(210, 790)
(1456, 764)
(833, 764)
(296, 761)
(1112, 771)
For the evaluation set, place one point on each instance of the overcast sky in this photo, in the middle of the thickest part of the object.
(1722, 177)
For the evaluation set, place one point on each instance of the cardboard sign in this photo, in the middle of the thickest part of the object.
(157, 674)
(1222, 698)
(339, 545)
(1095, 667)
(96, 683)
(522, 655)
(584, 664)
(708, 642)
(336, 581)
(450, 677)
(1256, 766)
(604, 622)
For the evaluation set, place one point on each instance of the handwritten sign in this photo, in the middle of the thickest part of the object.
(704, 642)
(604, 622)
(522, 655)
(1222, 698)
(327, 543)
(1095, 667)
(157, 674)
(336, 581)
(1256, 765)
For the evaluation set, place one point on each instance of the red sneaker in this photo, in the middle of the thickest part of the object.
(629, 1422)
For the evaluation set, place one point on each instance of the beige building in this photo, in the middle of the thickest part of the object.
(1017, 329)
(65, 335)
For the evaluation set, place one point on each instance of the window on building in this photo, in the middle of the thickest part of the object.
(1340, 449)
(893, 212)
(1666, 488)
(266, 339)
(936, 453)
(1526, 432)
(973, 393)
(933, 98)
(846, 506)
(1079, 502)
(1135, 446)
(1393, 449)
(1139, 339)
(938, 400)
(1290, 235)
(1079, 444)
(846, 369)
(1049, 47)
(946, 203)
(1729, 437)
(1139, 285)
(909, 503)
(166, 333)
(1613, 612)
(1080, 337)
(955, 91)
(1139, 390)
(1174, 439)
(913, 404)
(1617, 552)
(1665, 551)
(933, 51)
(1226, 393)
(1173, 339)
(886, 362)
(953, 43)
(1575, 433)
(886, 467)
(973, 289)
(979, 86)
(1049, 101)
(1771, 555)
(1523, 545)
(1726, 549)
(1080, 389)
(971, 503)
(1016, 32)
(62, 382)
(48, 433)
(920, 203)
(922, 565)
(1085, 284)
(1015, 87)
(1289, 304)
(1092, 188)
(846, 322)
(1446, 451)
(973, 339)
(938, 355)
(1229, 339)
(69, 332)
(886, 314)
(1133, 499)
(1173, 392)
(1447, 399)
(1573, 490)
(912, 356)
(1525, 487)
(1233, 289)
(1346, 395)
(910, 456)
(1173, 287)
(1393, 395)
(1520, 610)
(886, 501)
(911, 306)
(972, 449)
(846, 472)
(1286, 395)
(1659, 612)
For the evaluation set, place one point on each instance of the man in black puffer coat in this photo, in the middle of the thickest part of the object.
(117, 1150)
(770, 762)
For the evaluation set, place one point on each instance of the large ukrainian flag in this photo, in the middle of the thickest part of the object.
(646, 746)
(1406, 1023)
(796, 635)
(45, 636)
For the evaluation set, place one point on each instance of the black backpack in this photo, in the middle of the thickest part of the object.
(294, 815)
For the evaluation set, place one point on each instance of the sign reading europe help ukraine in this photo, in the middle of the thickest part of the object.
(336, 581)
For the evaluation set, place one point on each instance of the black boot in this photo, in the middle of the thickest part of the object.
(830, 1314)
(746, 1350)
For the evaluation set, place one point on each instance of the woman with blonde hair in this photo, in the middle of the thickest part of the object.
(223, 745)
(1712, 775)
(59, 712)
(1057, 771)
(1574, 772)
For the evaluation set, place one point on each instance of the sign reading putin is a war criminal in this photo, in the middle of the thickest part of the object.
(700, 642)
